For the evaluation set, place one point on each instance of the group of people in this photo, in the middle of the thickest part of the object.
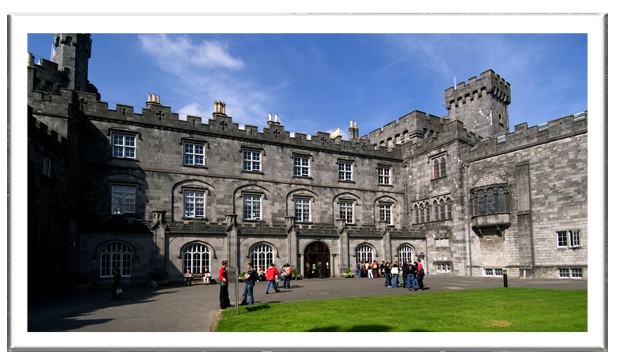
(251, 276)
(409, 275)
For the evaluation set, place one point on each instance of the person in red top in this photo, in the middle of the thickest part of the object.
(272, 275)
(224, 293)
(420, 275)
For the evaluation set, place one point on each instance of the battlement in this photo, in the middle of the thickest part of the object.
(408, 128)
(220, 124)
(523, 136)
(41, 132)
(453, 130)
(488, 83)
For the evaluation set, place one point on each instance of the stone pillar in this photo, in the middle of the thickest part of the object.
(524, 222)
(159, 244)
(231, 247)
(292, 243)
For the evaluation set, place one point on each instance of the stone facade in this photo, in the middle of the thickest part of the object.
(153, 194)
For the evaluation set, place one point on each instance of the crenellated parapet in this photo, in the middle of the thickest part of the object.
(157, 115)
(43, 134)
(410, 127)
(524, 137)
(489, 83)
(451, 131)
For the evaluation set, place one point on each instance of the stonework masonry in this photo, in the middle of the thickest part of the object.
(154, 195)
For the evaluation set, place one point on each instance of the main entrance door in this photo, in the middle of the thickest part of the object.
(317, 260)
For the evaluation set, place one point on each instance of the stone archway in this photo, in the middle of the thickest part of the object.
(316, 259)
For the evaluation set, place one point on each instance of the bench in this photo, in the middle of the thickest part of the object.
(197, 277)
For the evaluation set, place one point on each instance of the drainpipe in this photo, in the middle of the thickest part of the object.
(468, 216)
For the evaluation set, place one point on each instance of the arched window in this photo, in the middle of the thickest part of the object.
(261, 255)
(442, 210)
(405, 254)
(417, 213)
(449, 208)
(435, 211)
(422, 213)
(490, 202)
(435, 168)
(364, 253)
(501, 200)
(196, 257)
(427, 209)
(481, 204)
(442, 167)
(116, 255)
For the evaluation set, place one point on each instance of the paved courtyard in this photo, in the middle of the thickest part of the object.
(177, 308)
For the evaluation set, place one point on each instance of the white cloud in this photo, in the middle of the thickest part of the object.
(180, 52)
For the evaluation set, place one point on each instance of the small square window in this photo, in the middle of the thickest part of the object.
(251, 160)
(123, 145)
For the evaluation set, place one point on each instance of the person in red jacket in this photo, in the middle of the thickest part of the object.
(224, 292)
(272, 275)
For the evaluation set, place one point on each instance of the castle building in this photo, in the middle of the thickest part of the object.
(154, 195)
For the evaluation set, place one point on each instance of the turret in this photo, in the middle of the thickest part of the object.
(481, 104)
(71, 53)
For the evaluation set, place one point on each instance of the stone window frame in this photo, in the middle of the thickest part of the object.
(125, 199)
(384, 179)
(438, 166)
(570, 272)
(124, 134)
(568, 239)
(116, 254)
(259, 197)
(346, 175)
(195, 142)
(301, 167)
(442, 267)
(46, 167)
(493, 272)
(253, 151)
(480, 204)
(385, 211)
(185, 198)
(306, 213)
(352, 205)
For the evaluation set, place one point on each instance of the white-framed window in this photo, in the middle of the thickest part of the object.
(123, 199)
(493, 272)
(405, 254)
(303, 209)
(252, 207)
(123, 145)
(261, 255)
(383, 175)
(301, 166)
(365, 253)
(194, 203)
(46, 167)
(443, 267)
(346, 211)
(116, 255)
(196, 258)
(194, 154)
(251, 160)
(345, 171)
(569, 239)
(570, 273)
(385, 213)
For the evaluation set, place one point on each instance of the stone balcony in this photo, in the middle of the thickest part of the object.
(493, 224)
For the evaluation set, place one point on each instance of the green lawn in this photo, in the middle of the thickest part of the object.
(482, 310)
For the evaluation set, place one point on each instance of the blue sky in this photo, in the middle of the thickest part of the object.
(319, 82)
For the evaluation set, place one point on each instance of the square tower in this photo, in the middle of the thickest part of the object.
(481, 104)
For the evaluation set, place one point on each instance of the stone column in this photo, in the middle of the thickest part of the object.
(159, 244)
(231, 247)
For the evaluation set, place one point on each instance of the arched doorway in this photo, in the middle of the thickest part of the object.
(317, 260)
